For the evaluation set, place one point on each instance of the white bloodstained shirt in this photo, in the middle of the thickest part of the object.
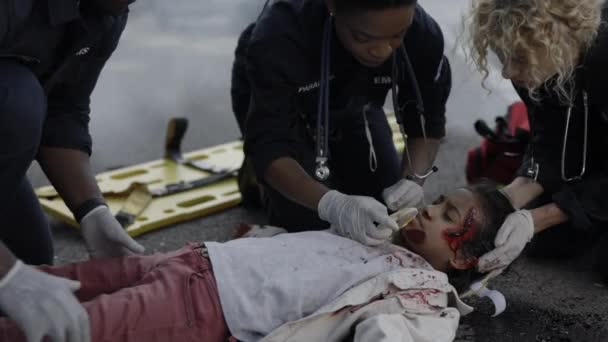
(268, 283)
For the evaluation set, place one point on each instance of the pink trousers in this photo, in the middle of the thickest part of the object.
(162, 297)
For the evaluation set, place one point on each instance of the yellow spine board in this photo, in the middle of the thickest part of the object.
(117, 185)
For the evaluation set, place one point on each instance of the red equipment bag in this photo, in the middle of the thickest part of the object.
(502, 149)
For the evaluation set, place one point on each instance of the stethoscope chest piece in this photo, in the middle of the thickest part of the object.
(322, 172)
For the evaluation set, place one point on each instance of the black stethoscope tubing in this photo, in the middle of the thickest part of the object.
(534, 169)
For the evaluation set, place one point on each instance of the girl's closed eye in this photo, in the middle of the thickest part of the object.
(447, 217)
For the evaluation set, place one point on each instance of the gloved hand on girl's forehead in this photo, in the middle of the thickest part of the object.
(514, 234)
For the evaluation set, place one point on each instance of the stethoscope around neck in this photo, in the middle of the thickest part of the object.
(534, 169)
(322, 170)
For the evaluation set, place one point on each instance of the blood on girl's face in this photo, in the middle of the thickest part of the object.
(442, 227)
(457, 236)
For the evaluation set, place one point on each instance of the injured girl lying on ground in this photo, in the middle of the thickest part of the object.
(310, 286)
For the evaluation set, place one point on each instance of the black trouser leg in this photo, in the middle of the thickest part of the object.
(24, 228)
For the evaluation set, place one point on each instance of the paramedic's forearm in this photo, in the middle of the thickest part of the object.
(547, 216)
(287, 177)
(423, 156)
(70, 173)
(523, 190)
(7, 260)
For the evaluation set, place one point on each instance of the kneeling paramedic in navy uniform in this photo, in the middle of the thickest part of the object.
(51, 55)
(309, 82)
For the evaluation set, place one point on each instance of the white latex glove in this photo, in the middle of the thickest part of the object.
(105, 237)
(43, 305)
(356, 217)
(405, 193)
(512, 237)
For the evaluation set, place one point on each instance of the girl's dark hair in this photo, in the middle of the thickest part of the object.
(358, 5)
(495, 207)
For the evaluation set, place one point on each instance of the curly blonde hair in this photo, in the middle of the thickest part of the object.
(521, 29)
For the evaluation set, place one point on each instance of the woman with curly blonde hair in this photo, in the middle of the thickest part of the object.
(555, 52)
